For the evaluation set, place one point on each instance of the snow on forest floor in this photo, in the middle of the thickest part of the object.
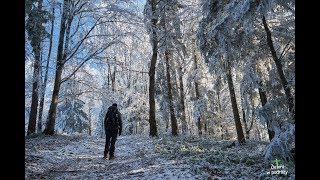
(139, 157)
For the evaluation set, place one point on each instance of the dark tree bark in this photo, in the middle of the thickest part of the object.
(167, 124)
(113, 78)
(35, 43)
(63, 56)
(89, 128)
(174, 125)
(44, 84)
(184, 127)
(34, 100)
(190, 123)
(277, 61)
(129, 75)
(49, 130)
(240, 135)
(102, 133)
(109, 75)
(152, 70)
(205, 126)
(263, 99)
(218, 89)
(196, 86)
(244, 120)
(251, 125)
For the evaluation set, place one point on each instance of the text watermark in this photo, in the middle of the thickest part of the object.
(277, 168)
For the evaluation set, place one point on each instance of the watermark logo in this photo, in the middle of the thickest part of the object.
(277, 168)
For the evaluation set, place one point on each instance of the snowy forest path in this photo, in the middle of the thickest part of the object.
(80, 157)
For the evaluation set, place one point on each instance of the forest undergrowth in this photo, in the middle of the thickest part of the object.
(140, 157)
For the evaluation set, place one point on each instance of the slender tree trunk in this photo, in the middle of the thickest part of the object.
(221, 131)
(42, 94)
(249, 128)
(34, 100)
(174, 126)
(258, 133)
(129, 75)
(49, 130)
(190, 125)
(240, 135)
(263, 99)
(89, 128)
(36, 46)
(218, 94)
(66, 27)
(205, 126)
(245, 123)
(167, 124)
(44, 84)
(152, 110)
(199, 118)
(113, 79)
(196, 86)
(146, 85)
(135, 80)
(66, 44)
(277, 61)
(183, 108)
(89, 117)
(137, 127)
(109, 76)
(102, 134)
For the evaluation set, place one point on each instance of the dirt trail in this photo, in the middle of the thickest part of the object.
(80, 157)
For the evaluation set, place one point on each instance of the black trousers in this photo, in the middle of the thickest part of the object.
(111, 138)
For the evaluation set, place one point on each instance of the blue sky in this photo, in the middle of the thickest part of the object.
(53, 57)
(56, 33)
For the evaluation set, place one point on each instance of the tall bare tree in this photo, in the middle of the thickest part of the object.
(235, 110)
(83, 37)
(150, 12)
(44, 83)
(49, 130)
(184, 125)
(36, 32)
(174, 125)
(279, 66)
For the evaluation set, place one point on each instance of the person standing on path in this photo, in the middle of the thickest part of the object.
(113, 128)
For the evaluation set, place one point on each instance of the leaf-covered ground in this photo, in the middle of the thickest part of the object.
(138, 157)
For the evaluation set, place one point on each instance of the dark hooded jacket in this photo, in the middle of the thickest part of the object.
(113, 112)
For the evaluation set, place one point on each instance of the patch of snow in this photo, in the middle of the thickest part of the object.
(139, 157)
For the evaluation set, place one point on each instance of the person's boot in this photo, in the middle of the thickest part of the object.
(111, 157)
(105, 155)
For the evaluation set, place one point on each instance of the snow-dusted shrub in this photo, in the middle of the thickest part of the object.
(282, 143)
